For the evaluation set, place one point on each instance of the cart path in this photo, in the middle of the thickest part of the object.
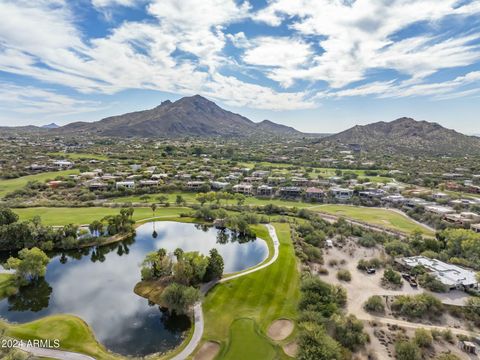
(198, 311)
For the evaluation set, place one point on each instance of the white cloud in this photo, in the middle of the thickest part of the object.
(358, 36)
(135, 55)
(36, 101)
(393, 89)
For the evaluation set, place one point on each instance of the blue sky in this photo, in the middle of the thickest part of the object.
(317, 65)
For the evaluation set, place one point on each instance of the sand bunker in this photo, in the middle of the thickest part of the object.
(291, 349)
(208, 351)
(280, 329)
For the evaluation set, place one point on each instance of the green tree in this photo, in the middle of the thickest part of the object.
(315, 344)
(7, 216)
(179, 298)
(30, 265)
(240, 198)
(348, 331)
(154, 208)
(215, 266)
(180, 200)
(201, 198)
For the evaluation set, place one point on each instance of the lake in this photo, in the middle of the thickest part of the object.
(97, 284)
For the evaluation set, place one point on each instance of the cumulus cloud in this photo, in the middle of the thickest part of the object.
(181, 47)
(360, 35)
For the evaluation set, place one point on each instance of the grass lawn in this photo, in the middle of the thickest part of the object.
(190, 199)
(381, 217)
(10, 185)
(6, 281)
(80, 156)
(262, 297)
(85, 215)
(248, 343)
(74, 334)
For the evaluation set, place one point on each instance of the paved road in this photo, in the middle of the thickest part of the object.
(197, 310)
(55, 354)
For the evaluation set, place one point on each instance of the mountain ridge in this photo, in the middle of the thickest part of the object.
(193, 116)
(407, 135)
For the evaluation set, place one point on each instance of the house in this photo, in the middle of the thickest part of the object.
(341, 193)
(452, 276)
(265, 190)
(196, 185)
(62, 164)
(394, 199)
(439, 210)
(467, 346)
(245, 189)
(96, 185)
(159, 176)
(290, 192)
(148, 183)
(458, 219)
(371, 194)
(476, 228)
(125, 184)
(219, 185)
(314, 194)
(440, 196)
(260, 173)
(299, 181)
(37, 167)
(54, 184)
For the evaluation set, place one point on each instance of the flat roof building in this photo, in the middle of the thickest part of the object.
(452, 276)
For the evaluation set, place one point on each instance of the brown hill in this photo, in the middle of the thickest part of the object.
(189, 116)
(408, 136)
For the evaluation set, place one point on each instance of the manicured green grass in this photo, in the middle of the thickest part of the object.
(10, 185)
(80, 156)
(85, 215)
(381, 217)
(247, 343)
(190, 199)
(6, 281)
(74, 334)
(263, 296)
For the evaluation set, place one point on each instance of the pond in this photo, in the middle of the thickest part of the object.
(97, 284)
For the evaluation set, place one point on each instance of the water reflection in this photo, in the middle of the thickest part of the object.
(97, 284)
(33, 297)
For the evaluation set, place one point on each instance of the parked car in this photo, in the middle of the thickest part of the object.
(371, 271)
(413, 283)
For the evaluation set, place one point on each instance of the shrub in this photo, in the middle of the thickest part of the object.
(314, 343)
(392, 277)
(348, 331)
(371, 263)
(447, 336)
(407, 350)
(332, 262)
(344, 275)
(418, 306)
(375, 304)
(431, 282)
(423, 338)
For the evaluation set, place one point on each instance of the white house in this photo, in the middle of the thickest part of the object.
(452, 276)
(341, 193)
(125, 184)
